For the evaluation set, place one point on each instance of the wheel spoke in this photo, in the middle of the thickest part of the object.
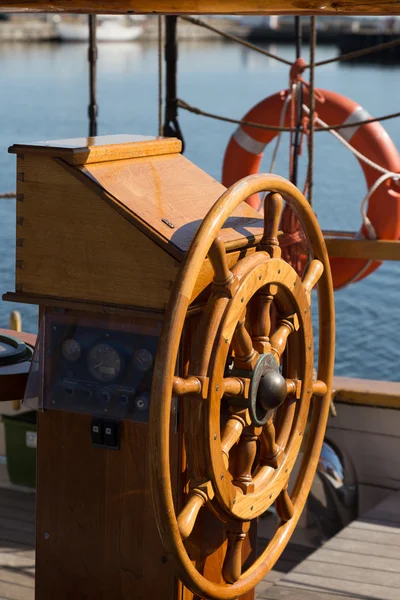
(247, 450)
(319, 388)
(284, 506)
(261, 318)
(198, 497)
(232, 431)
(272, 215)
(245, 355)
(311, 276)
(182, 387)
(236, 386)
(271, 453)
(232, 567)
(223, 276)
(279, 338)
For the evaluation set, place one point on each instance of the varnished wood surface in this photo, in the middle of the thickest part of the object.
(383, 394)
(362, 561)
(341, 245)
(159, 459)
(96, 534)
(80, 151)
(170, 196)
(249, 7)
(72, 244)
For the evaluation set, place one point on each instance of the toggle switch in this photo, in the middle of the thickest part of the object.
(97, 429)
(111, 434)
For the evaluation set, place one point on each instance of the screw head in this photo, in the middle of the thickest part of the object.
(222, 476)
(241, 299)
(259, 277)
(46, 535)
(217, 388)
(215, 436)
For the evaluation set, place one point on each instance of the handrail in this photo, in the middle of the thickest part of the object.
(366, 392)
(198, 7)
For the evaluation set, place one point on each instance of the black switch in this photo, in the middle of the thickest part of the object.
(111, 434)
(97, 429)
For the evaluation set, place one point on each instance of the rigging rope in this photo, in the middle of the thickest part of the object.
(92, 58)
(359, 53)
(160, 74)
(235, 38)
(311, 126)
(198, 111)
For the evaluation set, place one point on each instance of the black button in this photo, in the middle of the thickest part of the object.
(97, 429)
(87, 393)
(105, 396)
(111, 434)
(123, 399)
(70, 391)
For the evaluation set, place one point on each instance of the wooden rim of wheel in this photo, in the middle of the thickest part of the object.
(164, 371)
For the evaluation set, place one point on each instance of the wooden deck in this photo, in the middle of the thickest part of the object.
(17, 543)
(362, 562)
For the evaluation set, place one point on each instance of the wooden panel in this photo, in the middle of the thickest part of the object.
(385, 394)
(380, 421)
(369, 454)
(350, 247)
(96, 533)
(256, 7)
(70, 243)
(80, 151)
(171, 196)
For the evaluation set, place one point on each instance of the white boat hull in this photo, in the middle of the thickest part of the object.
(105, 32)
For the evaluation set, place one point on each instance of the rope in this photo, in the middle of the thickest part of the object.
(234, 38)
(160, 75)
(92, 58)
(358, 53)
(279, 136)
(198, 111)
(311, 127)
(385, 175)
(342, 57)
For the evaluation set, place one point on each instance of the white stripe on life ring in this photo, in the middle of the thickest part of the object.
(360, 114)
(247, 143)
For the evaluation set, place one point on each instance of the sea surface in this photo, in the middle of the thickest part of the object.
(44, 96)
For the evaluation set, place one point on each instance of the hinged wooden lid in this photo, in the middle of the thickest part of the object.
(82, 151)
(149, 182)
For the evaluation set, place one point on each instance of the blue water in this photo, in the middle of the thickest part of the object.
(45, 96)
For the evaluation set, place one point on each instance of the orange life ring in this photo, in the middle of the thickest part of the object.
(245, 151)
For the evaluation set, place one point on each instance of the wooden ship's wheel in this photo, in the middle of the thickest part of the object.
(251, 404)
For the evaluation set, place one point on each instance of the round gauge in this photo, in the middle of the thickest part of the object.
(104, 362)
(70, 349)
(143, 360)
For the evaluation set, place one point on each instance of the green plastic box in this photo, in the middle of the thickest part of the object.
(20, 436)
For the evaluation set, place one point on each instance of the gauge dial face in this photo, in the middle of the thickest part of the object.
(143, 360)
(104, 362)
(71, 349)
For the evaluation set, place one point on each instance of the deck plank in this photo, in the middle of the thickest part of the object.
(361, 562)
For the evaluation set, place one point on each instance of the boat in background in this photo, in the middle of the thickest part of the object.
(110, 28)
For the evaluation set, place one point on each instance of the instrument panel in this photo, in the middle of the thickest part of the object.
(99, 366)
